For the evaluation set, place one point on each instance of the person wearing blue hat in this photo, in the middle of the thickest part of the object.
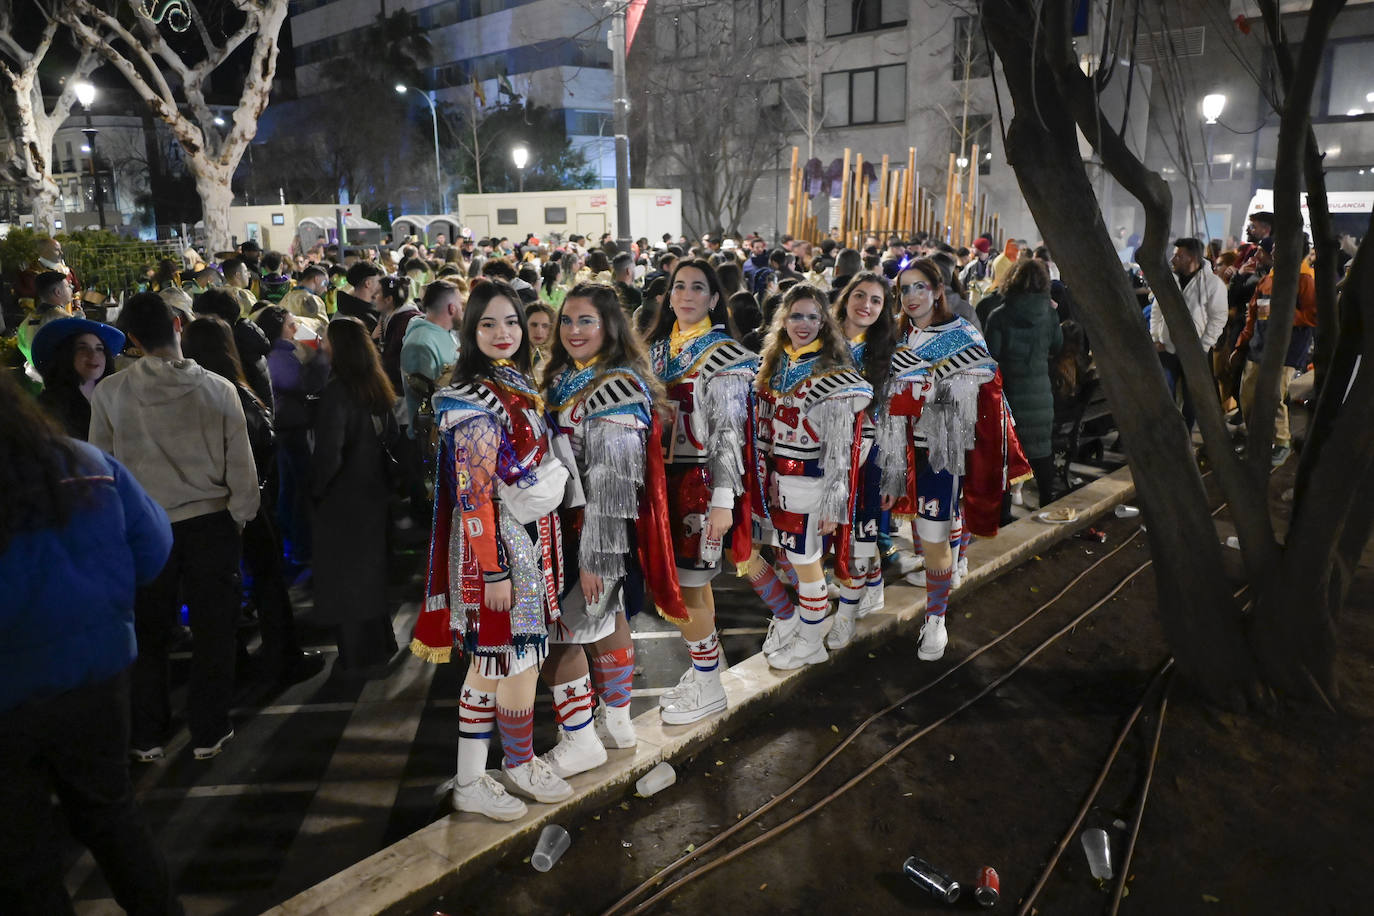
(73, 355)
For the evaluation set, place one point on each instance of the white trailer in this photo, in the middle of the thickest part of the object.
(590, 212)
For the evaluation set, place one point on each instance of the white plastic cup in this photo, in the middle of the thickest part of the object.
(656, 780)
(553, 842)
(1233, 542)
(1125, 511)
(1099, 852)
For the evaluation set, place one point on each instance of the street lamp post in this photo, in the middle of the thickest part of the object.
(434, 115)
(1212, 106)
(521, 156)
(85, 94)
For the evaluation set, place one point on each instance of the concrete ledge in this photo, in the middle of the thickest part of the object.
(453, 848)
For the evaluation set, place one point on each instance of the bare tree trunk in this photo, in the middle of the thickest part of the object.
(216, 196)
(1201, 620)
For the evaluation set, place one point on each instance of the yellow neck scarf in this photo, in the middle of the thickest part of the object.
(680, 338)
(813, 347)
(858, 338)
(578, 364)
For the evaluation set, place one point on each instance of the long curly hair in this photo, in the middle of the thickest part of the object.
(834, 352)
(620, 347)
(36, 464)
(720, 312)
(880, 339)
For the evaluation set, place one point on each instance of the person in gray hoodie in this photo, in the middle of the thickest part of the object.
(181, 431)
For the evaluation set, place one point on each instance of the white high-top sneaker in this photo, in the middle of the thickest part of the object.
(779, 632)
(576, 752)
(614, 728)
(871, 601)
(485, 796)
(842, 628)
(537, 780)
(700, 698)
(804, 648)
(933, 639)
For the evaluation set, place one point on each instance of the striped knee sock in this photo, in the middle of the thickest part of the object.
(965, 539)
(572, 703)
(956, 533)
(937, 591)
(850, 593)
(476, 720)
(813, 600)
(614, 673)
(706, 653)
(785, 567)
(517, 734)
(766, 585)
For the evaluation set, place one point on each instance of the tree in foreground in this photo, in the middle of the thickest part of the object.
(33, 120)
(1280, 636)
(171, 63)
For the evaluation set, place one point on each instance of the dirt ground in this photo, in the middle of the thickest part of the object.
(1260, 814)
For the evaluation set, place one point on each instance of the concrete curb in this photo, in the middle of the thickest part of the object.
(454, 847)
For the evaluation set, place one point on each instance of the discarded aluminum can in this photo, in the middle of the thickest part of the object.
(988, 888)
(710, 549)
(931, 879)
(1092, 534)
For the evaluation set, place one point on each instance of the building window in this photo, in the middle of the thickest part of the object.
(781, 20)
(874, 95)
(279, 219)
(979, 131)
(970, 51)
(1349, 88)
(846, 17)
(556, 216)
(507, 217)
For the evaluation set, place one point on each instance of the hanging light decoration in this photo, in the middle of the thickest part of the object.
(176, 13)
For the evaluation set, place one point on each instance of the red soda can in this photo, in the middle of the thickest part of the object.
(988, 887)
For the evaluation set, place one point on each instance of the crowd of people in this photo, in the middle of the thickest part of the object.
(591, 432)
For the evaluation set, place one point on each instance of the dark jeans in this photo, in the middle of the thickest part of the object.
(75, 745)
(293, 494)
(262, 558)
(1173, 377)
(203, 571)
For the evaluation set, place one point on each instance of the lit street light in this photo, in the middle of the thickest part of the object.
(520, 155)
(401, 89)
(85, 94)
(1212, 106)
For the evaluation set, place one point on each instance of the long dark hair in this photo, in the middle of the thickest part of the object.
(720, 312)
(880, 340)
(620, 347)
(36, 466)
(549, 272)
(355, 363)
(834, 349)
(210, 342)
(474, 365)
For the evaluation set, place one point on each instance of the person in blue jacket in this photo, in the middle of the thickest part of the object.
(77, 536)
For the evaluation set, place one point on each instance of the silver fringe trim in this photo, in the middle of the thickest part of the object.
(833, 420)
(726, 402)
(891, 442)
(613, 454)
(527, 579)
(947, 422)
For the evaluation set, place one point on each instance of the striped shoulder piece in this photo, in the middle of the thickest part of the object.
(726, 354)
(840, 383)
(618, 392)
(461, 401)
(907, 364)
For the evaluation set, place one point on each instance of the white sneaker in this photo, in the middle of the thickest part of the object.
(704, 696)
(917, 578)
(872, 600)
(576, 752)
(841, 630)
(908, 562)
(933, 639)
(956, 578)
(487, 797)
(779, 632)
(537, 780)
(800, 651)
(614, 728)
(672, 693)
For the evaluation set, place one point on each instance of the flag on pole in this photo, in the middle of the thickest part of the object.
(633, 14)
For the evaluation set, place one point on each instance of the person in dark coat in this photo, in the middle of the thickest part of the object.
(1022, 334)
(249, 340)
(354, 431)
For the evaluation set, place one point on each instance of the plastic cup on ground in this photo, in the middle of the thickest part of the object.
(1233, 542)
(1099, 852)
(1125, 511)
(553, 842)
(656, 780)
